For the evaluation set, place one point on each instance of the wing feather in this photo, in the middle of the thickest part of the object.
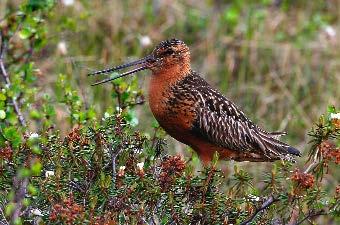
(223, 123)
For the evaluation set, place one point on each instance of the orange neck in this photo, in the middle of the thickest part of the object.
(171, 74)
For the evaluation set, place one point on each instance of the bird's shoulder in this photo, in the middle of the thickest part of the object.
(210, 99)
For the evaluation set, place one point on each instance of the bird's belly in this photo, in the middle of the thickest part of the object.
(175, 120)
(175, 124)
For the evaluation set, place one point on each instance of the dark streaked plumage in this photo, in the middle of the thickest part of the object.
(220, 121)
(193, 112)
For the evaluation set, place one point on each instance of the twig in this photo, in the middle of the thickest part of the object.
(207, 182)
(119, 98)
(5, 75)
(114, 156)
(19, 196)
(264, 206)
(313, 164)
(3, 221)
(310, 215)
(154, 137)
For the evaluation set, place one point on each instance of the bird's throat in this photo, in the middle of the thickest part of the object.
(171, 74)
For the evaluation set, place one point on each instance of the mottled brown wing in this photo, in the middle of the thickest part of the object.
(223, 123)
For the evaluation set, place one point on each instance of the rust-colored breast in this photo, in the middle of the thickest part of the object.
(174, 114)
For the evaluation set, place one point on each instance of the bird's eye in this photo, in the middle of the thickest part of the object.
(169, 51)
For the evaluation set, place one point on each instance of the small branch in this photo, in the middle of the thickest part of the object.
(5, 75)
(207, 183)
(19, 196)
(114, 156)
(313, 164)
(119, 98)
(3, 221)
(264, 206)
(310, 215)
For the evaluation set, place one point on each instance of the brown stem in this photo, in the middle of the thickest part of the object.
(19, 196)
(264, 206)
(310, 215)
(5, 75)
(207, 182)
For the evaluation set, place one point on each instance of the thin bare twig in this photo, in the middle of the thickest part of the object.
(3, 220)
(114, 155)
(264, 206)
(310, 215)
(313, 164)
(3, 49)
(19, 196)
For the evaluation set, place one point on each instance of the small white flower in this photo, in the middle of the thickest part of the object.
(33, 136)
(49, 173)
(36, 212)
(121, 171)
(140, 165)
(68, 2)
(330, 31)
(254, 197)
(122, 168)
(335, 116)
(2, 114)
(62, 48)
(106, 115)
(118, 109)
(145, 41)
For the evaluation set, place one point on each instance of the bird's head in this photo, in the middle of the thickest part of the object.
(167, 54)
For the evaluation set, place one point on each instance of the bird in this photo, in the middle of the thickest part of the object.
(198, 115)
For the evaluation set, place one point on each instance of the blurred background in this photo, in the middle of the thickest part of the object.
(279, 60)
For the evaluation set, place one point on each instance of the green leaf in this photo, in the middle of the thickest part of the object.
(36, 168)
(231, 15)
(26, 202)
(331, 109)
(34, 5)
(12, 135)
(9, 208)
(32, 190)
(25, 33)
(36, 149)
(2, 97)
(24, 172)
(91, 113)
(34, 114)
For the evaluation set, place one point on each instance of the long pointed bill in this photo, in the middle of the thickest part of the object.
(120, 75)
(142, 62)
(110, 70)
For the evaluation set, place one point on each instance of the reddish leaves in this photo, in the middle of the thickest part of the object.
(67, 211)
(171, 167)
(330, 152)
(302, 179)
(6, 153)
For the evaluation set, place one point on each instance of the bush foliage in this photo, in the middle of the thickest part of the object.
(99, 169)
